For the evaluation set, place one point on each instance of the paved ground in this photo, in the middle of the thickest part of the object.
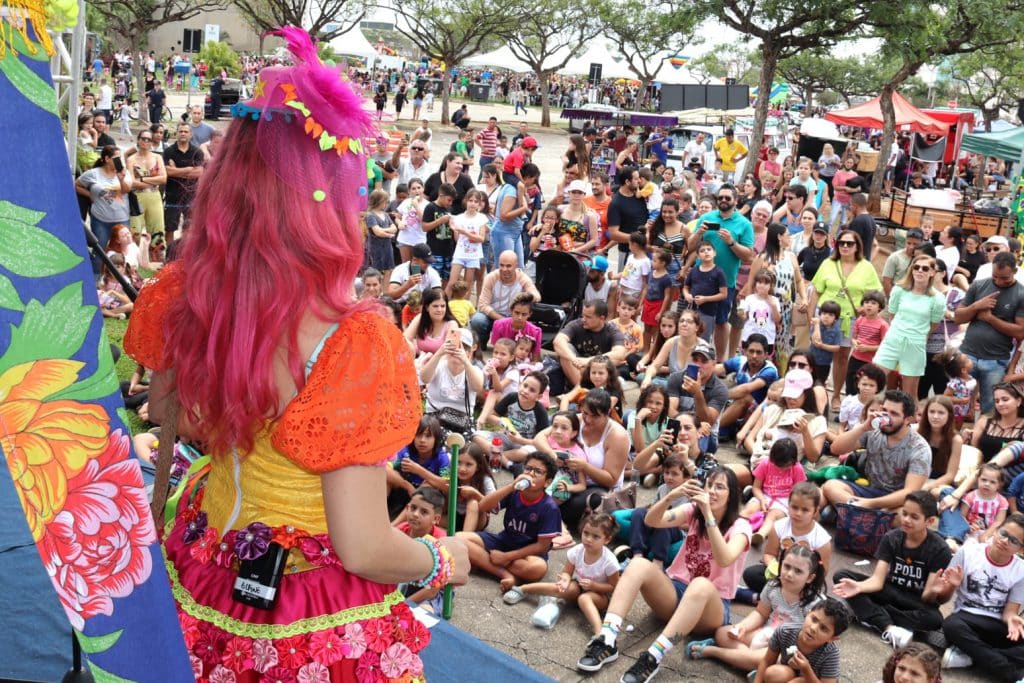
(478, 606)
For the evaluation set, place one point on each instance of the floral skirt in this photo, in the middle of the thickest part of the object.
(327, 625)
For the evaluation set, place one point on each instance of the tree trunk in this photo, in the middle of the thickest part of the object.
(262, 38)
(446, 86)
(888, 135)
(545, 98)
(140, 84)
(769, 64)
(809, 99)
(989, 116)
(645, 96)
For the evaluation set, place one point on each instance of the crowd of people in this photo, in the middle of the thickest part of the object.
(745, 308)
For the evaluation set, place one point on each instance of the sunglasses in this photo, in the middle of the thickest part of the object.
(799, 364)
(724, 199)
(921, 269)
(846, 243)
(991, 249)
(790, 197)
(419, 149)
(145, 139)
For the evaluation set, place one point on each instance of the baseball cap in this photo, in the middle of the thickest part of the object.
(705, 349)
(466, 337)
(530, 141)
(797, 382)
(578, 186)
(422, 251)
(915, 233)
(998, 239)
(820, 227)
(598, 262)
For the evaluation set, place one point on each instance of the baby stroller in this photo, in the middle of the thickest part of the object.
(561, 281)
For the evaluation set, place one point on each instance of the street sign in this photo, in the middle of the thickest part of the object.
(212, 33)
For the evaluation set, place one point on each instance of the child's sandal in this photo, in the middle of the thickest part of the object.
(513, 596)
(695, 649)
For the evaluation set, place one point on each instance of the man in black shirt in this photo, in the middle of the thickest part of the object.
(588, 336)
(863, 223)
(627, 212)
(184, 162)
(101, 126)
(155, 100)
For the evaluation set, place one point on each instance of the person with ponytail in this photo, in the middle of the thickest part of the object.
(298, 392)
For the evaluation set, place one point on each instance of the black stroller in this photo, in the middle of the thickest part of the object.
(561, 281)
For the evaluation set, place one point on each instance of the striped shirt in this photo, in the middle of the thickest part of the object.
(488, 140)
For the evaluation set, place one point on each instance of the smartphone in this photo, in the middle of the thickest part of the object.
(674, 427)
(710, 227)
(414, 269)
(562, 455)
(692, 370)
(453, 336)
(118, 164)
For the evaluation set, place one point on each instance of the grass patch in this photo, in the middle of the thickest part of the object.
(124, 368)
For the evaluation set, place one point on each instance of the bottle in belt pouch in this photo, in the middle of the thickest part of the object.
(495, 451)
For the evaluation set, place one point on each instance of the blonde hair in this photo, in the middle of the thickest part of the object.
(378, 200)
(908, 280)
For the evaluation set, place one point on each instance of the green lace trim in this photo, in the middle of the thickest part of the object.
(274, 631)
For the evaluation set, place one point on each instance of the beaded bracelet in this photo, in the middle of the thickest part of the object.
(441, 573)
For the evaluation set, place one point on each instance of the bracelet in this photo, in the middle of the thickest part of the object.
(444, 566)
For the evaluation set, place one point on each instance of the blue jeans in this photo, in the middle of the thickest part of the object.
(989, 373)
(519, 105)
(481, 325)
(483, 162)
(506, 240)
(951, 522)
(103, 230)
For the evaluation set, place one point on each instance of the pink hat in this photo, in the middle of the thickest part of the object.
(797, 382)
(313, 101)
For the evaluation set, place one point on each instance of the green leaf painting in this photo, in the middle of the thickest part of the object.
(9, 298)
(103, 676)
(28, 250)
(55, 329)
(93, 644)
(36, 90)
(101, 383)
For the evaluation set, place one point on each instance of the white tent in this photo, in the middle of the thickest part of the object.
(597, 53)
(354, 43)
(504, 58)
(669, 75)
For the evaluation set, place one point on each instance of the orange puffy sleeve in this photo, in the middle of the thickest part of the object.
(144, 340)
(361, 403)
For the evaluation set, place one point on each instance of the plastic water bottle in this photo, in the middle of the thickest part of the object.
(495, 452)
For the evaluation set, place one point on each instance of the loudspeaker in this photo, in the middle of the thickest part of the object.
(595, 73)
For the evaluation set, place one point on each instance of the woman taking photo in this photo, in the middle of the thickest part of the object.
(674, 355)
(668, 232)
(844, 278)
(450, 172)
(778, 258)
(107, 184)
(429, 329)
(264, 396)
(693, 594)
(450, 374)
(606, 445)
(915, 307)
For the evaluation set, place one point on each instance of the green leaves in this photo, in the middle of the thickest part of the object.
(101, 383)
(9, 295)
(93, 644)
(36, 90)
(25, 248)
(55, 329)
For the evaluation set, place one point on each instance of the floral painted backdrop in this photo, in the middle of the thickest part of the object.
(66, 447)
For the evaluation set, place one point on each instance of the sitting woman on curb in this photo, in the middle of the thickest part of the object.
(694, 593)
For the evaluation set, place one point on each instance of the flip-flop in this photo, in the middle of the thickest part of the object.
(695, 648)
(563, 540)
(513, 596)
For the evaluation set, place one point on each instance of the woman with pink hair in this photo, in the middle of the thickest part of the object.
(283, 563)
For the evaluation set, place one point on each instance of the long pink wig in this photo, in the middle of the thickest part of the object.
(262, 252)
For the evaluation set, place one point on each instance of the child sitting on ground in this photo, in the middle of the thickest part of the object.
(475, 482)
(786, 600)
(599, 373)
(981, 512)
(501, 377)
(655, 542)
(460, 305)
(425, 460)
(562, 442)
(413, 307)
(520, 418)
(870, 383)
(519, 552)
(588, 577)
(915, 662)
(774, 479)
(809, 651)
(632, 331)
(422, 516)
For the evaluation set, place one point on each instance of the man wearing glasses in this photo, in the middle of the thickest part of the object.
(413, 167)
(898, 264)
(732, 236)
(994, 311)
(993, 245)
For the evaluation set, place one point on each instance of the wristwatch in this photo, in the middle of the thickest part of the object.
(710, 523)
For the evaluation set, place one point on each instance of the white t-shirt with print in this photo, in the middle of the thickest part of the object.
(599, 571)
(465, 248)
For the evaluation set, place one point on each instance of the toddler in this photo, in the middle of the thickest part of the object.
(774, 479)
(632, 331)
(760, 311)
(459, 304)
(962, 387)
(866, 335)
(825, 338)
(870, 383)
(980, 513)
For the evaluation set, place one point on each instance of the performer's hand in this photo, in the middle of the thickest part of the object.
(460, 556)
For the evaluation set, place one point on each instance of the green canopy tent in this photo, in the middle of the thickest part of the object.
(1006, 145)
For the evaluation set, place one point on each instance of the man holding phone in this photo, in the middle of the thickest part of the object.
(732, 236)
(697, 389)
(416, 272)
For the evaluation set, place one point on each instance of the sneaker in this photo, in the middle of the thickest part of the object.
(955, 658)
(748, 493)
(827, 516)
(643, 670)
(897, 636)
(597, 655)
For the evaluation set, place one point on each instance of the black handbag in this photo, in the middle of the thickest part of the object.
(455, 421)
(133, 205)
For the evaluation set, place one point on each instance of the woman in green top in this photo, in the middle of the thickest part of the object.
(915, 308)
(844, 277)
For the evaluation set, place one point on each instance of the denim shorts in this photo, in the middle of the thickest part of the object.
(681, 588)
(861, 491)
(725, 307)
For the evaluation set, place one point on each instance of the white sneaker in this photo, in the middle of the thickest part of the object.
(954, 658)
(897, 636)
